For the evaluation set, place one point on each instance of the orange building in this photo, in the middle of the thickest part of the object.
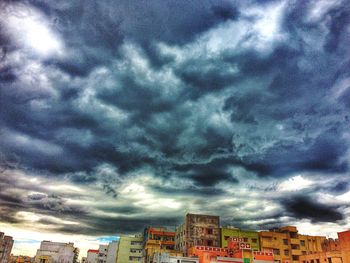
(344, 242)
(288, 245)
(334, 251)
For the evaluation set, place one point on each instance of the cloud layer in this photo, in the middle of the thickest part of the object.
(119, 115)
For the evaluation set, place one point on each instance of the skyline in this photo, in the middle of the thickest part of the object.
(117, 115)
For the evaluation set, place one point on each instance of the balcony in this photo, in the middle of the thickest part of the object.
(296, 252)
(295, 241)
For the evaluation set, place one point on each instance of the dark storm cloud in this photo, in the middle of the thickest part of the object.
(115, 98)
(302, 207)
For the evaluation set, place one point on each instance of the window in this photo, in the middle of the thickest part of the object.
(317, 261)
(285, 241)
(210, 231)
(254, 240)
(245, 239)
(302, 243)
(226, 237)
(276, 251)
(286, 252)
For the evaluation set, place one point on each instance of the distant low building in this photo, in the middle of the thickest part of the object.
(56, 252)
(21, 259)
(6, 244)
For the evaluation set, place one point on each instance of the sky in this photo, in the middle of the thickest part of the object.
(116, 115)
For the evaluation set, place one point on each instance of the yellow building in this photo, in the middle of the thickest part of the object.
(287, 245)
(130, 249)
(250, 237)
(321, 257)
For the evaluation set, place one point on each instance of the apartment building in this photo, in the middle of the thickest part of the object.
(52, 252)
(334, 251)
(6, 244)
(288, 245)
(198, 230)
(130, 249)
(158, 240)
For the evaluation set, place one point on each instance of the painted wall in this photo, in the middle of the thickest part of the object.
(252, 237)
(130, 249)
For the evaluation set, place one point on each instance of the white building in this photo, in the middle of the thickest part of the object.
(166, 258)
(92, 256)
(112, 252)
(104, 254)
(56, 252)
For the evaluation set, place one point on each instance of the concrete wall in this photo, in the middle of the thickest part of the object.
(112, 252)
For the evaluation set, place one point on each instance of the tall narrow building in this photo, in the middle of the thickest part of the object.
(198, 230)
(6, 243)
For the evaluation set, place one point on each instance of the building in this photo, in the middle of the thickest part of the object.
(6, 244)
(198, 230)
(167, 258)
(130, 249)
(322, 257)
(92, 256)
(334, 251)
(288, 245)
(158, 240)
(236, 251)
(112, 251)
(344, 242)
(56, 252)
(102, 253)
(251, 237)
(20, 259)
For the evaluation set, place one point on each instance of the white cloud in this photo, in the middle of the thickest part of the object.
(29, 28)
(295, 183)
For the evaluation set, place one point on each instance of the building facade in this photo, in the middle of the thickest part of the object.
(21, 259)
(112, 251)
(130, 249)
(288, 245)
(168, 258)
(334, 251)
(236, 251)
(158, 240)
(92, 256)
(198, 230)
(251, 237)
(56, 252)
(6, 244)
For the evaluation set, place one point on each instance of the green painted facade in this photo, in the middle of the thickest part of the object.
(251, 237)
(130, 249)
